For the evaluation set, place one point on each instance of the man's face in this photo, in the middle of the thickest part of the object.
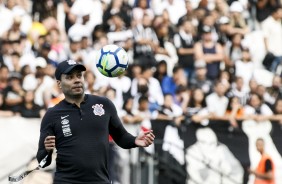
(72, 83)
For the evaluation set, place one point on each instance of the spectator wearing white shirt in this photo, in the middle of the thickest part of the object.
(272, 29)
(245, 68)
(153, 86)
(257, 106)
(175, 8)
(6, 18)
(238, 91)
(216, 101)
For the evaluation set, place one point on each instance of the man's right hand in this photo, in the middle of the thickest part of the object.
(49, 143)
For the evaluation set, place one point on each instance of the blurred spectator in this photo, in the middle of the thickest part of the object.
(4, 76)
(161, 71)
(15, 62)
(216, 101)
(190, 15)
(145, 43)
(234, 111)
(69, 20)
(13, 94)
(170, 84)
(39, 82)
(264, 8)
(200, 80)
(197, 101)
(278, 110)
(211, 52)
(42, 9)
(275, 90)
(57, 52)
(237, 90)
(144, 111)
(197, 108)
(6, 18)
(117, 7)
(134, 71)
(261, 91)
(25, 70)
(222, 7)
(234, 50)
(237, 19)
(166, 50)
(253, 84)
(224, 30)
(184, 42)
(169, 111)
(175, 9)
(208, 25)
(28, 107)
(182, 97)
(150, 86)
(4, 113)
(85, 14)
(118, 33)
(226, 79)
(272, 29)
(140, 8)
(245, 67)
(257, 107)
(73, 51)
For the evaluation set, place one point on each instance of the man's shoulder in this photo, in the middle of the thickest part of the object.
(96, 98)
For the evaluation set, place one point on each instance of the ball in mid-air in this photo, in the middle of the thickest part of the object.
(112, 61)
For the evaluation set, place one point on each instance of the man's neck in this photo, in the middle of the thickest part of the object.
(75, 100)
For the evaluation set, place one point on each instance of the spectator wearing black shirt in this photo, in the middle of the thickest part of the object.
(184, 42)
(28, 108)
(209, 51)
(79, 128)
(13, 93)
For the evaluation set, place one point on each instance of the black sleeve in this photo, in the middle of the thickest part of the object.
(45, 130)
(118, 132)
(268, 166)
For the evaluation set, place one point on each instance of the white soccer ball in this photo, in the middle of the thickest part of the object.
(112, 61)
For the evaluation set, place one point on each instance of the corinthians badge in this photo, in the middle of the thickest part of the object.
(98, 109)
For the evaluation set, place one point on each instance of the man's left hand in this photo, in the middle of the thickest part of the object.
(145, 139)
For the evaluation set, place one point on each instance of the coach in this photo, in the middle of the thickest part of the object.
(79, 127)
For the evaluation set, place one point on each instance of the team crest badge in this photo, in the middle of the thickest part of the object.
(98, 109)
(71, 62)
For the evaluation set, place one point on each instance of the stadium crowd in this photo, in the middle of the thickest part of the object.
(189, 59)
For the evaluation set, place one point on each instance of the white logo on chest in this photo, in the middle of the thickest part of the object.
(98, 109)
(66, 126)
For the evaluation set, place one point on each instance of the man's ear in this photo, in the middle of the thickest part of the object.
(59, 84)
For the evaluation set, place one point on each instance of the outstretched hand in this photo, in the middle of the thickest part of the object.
(145, 139)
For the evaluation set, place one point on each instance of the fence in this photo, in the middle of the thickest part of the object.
(191, 153)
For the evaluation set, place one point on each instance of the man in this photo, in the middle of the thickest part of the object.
(184, 43)
(217, 101)
(79, 127)
(272, 30)
(200, 79)
(264, 174)
(209, 51)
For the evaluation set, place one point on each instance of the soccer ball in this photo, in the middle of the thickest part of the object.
(112, 61)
